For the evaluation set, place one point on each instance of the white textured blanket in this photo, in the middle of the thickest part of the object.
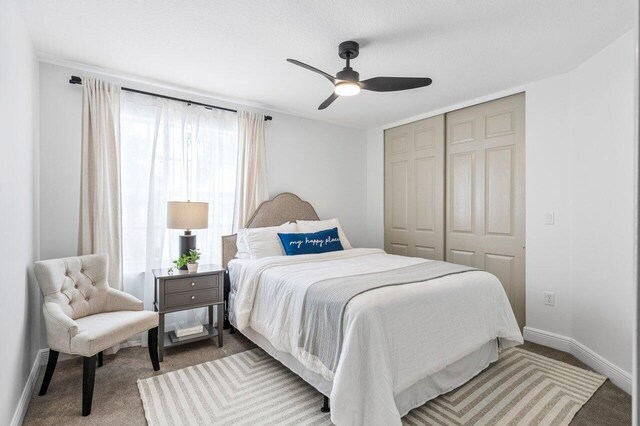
(393, 336)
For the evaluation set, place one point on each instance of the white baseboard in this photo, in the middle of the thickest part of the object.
(617, 375)
(23, 403)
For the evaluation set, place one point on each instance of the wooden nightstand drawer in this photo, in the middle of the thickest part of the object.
(179, 285)
(190, 298)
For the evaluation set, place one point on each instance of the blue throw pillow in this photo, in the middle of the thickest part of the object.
(313, 242)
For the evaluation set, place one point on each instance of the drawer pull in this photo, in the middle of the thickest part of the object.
(192, 284)
(193, 298)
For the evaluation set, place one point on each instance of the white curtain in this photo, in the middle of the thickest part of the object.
(173, 152)
(100, 228)
(251, 184)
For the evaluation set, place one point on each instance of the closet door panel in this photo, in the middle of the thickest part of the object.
(462, 257)
(425, 189)
(426, 252)
(503, 267)
(414, 189)
(397, 186)
(399, 171)
(499, 176)
(485, 192)
(463, 192)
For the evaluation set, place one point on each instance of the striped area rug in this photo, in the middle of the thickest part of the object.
(251, 388)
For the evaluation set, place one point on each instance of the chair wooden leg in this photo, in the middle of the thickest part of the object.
(48, 374)
(153, 348)
(100, 359)
(88, 380)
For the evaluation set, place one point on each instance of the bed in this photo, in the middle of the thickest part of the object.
(398, 345)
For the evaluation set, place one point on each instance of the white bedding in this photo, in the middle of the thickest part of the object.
(393, 336)
(235, 266)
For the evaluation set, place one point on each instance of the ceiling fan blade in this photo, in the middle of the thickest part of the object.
(328, 101)
(392, 84)
(316, 70)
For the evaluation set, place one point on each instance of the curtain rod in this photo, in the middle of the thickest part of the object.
(77, 80)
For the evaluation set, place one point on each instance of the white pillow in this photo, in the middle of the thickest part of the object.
(305, 226)
(241, 244)
(262, 242)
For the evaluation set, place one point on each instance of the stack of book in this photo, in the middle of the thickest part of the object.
(185, 332)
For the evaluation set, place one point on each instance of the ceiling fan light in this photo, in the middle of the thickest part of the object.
(347, 88)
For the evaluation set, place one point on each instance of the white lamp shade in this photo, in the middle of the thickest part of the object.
(187, 215)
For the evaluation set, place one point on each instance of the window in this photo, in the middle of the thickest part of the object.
(171, 151)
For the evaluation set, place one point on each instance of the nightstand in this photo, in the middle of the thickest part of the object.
(181, 290)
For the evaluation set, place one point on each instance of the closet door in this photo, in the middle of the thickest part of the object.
(414, 189)
(485, 192)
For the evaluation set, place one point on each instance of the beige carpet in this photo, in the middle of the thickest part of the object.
(252, 388)
(116, 399)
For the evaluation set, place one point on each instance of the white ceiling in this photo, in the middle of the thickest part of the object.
(237, 49)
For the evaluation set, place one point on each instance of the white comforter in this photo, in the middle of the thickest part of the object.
(393, 336)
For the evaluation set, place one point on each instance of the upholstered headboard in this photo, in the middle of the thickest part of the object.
(284, 207)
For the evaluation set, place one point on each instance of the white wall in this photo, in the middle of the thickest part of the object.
(20, 304)
(580, 165)
(60, 155)
(323, 163)
(549, 175)
(602, 115)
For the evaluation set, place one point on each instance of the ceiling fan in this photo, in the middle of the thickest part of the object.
(347, 82)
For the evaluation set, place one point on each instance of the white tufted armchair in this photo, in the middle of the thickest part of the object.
(84, 316)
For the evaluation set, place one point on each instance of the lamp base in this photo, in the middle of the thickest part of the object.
(187, 242)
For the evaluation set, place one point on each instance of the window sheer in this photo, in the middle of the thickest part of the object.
(172, 152)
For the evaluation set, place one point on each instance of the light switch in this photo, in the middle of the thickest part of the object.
(549, 218)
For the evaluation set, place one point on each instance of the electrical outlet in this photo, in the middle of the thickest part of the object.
(549, 298)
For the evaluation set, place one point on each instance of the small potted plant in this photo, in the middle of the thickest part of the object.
(180, 263)
(192, 260)
(189, 260)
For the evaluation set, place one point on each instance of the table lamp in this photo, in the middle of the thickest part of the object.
(187, 215)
